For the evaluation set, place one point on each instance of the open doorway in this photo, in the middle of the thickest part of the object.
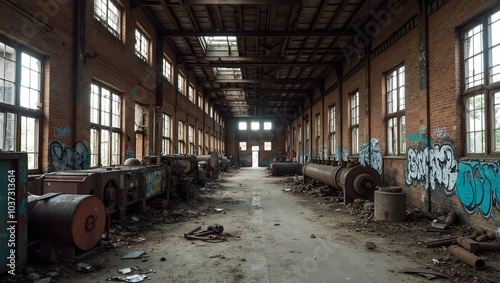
(255, 156)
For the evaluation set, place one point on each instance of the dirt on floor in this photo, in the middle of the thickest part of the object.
(416, 232)
(354, 222)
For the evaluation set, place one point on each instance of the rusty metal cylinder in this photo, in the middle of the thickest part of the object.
(285, 168)
(324, 173)
(466, 256)
(390, 204)
(73, 220)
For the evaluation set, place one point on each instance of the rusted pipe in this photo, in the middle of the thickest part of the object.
(466, 256)
(489, 247)
(467, 243)
(441, 242)
(482, 238)
(194, 230)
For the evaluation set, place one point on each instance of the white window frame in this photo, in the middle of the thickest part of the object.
(105, 124)
(481, 88)
(332, 129)
(142, 45)
(396, 103)
(167, 68)
(109, 14)
(166, 134)
(354, 122)
(21, 93)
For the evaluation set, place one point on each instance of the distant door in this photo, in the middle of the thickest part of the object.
(255, 156)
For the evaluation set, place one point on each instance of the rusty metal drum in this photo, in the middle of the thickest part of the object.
(73, 220)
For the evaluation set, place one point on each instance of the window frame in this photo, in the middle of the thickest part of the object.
(181, 149)
(191, 92)
(144, 55)
(97, 128)
(105, 21)
(181, 83)
(267, 126)
(167, 72)
(332, 128)
(487, 90)
(166, 134)
(19, 113)
(268, 146)
(242, 146)
(354, 118)
(395, 97)
(241, 127)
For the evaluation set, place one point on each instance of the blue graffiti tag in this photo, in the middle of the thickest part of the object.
(371, 154)
(477, 186)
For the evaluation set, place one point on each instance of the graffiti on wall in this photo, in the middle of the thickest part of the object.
(129, 152)
(62, 132)
(323, 150)
(370, 154)
(420, 137)
(341, 154)
(477, 186)
(433, 167)
(63, 157)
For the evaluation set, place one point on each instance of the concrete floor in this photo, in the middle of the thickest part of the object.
(271, 240)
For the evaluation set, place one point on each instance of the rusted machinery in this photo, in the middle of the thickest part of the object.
(285, 168)
(118, 187)
(182, 172)
(66, 222)
(211, 168)
(356, 181)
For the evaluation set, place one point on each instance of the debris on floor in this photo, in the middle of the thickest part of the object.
(213, 233)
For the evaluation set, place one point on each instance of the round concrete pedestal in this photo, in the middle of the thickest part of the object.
(390, 204)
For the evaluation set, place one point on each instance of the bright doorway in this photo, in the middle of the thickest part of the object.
(255, 156)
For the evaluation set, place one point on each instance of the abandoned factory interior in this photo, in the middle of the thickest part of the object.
(312, 140)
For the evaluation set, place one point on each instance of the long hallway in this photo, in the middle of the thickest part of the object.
(273, 236)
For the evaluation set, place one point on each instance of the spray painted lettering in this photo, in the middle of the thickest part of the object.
(62, 132)
(477, 186)
(434, 167)
(341, 154)
(370, 154)
(62, 157)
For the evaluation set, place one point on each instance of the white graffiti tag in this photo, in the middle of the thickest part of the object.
(434, 167)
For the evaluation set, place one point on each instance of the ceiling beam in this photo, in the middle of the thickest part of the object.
(260, 90)
(255, 100)
(277, 33)
(261, 64)
(188, 59)
(258, 81)
(239, 2)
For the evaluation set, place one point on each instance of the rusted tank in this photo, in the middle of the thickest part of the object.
(211, 170)
(285, 168)
(183, 172)
(69, 220)
(356, 181)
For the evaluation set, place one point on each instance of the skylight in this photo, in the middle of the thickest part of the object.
(222, 46)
